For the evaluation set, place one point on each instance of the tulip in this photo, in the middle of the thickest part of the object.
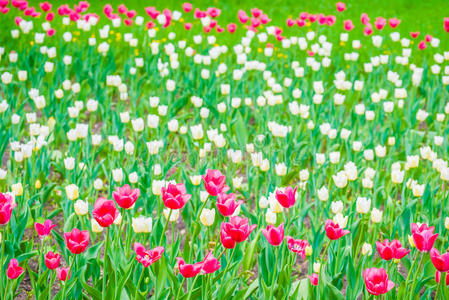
(440, 261)
(175, 196)
(6, 206)
(125, 196)
(63, 273)
(14, 270)
(147, 257)
(52, 260)
(274, 235)
(104, 212)
(423, 237)
(238, 228)
(286, 198)
(391, 250)
(44, 229)
(333, 230)
(77, 240)
(189, 270)
(226, 204)
(341, 6)
(215, 182)
(297, 246)
(225, 237)
(314, 279)
(210, 264)
(438, 276)
(376, 281)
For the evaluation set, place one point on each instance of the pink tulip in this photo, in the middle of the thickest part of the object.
(226, 204)
(314, 279)
(341, 6)
(348, 25)
(286, 198)
(394, 22)
(364, 19)
(438, 276)
(231, 27)
(422, 45)
(440, 261)
(187, 26)
(44, 229)
(380, 23)
(274, 235)
(414, 35)
(333, 230)
(376, 281)
(243, 17)
(423, 237)
(297, 246)
(187, 7)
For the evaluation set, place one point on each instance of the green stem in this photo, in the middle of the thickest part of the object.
(52, 280)
(192, 286)
(67, 279)
(229, 262)
(6, 291)
(3, 237)
(128, 238)
(138, 284)
(180, 288)
(416, 275)
(165, 227)
(274, 272)
(105, 263)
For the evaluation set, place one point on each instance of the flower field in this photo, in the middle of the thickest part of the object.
(222, 152)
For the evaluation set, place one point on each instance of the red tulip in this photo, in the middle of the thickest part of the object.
(376, 281)
(314, 279)
(210, 263)
(290, 22)
(438, 275)
(215, 182)
(333, 230)
(226, 204)
(44, 229)
(63, 273)
(189, 270)
(104, 212)
(122, 9)
(147, 257)
(239, 228)
(440, 261)
(77, 240)
(297, 246)
(264, 19)
(341, 6)
(391, 250)
(368, 30)
(14, 270)
(175, 195)
(274, 235)
(51, 32)
(52, 260)
(423, 237)
(286, 198)
(125, 196)
(225, 237)
(428, 38)
(414, 34)
(446, 24)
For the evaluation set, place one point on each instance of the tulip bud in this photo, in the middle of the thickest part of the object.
(316, 267)
(207, 217)
(367, 249)
(173, 216)
(81, 207)
(37, 184)
(72, 191)
(96, 227)
(309, 251)
(411, 241)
